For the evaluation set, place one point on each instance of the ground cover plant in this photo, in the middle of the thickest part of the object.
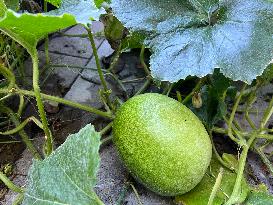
(205, 44)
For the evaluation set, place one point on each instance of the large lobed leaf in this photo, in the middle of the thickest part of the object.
(193, 37)
(69, 174)
(28, 29)
(83, 10)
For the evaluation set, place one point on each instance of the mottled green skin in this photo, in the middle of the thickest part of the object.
(162, 143)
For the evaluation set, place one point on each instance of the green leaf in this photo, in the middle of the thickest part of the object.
(3, 8)
(27, 29)
(98, 3)
(116, 33)
(259, 198)
(267, 75)
(68, 175)
(12, 4)
(201, 193)
(213, 97)
(187, 39)
(83, 10)
(56, 3)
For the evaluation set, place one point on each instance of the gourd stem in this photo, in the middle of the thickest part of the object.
(216, 186)
(62, 101)
(106, 129)
(195, 89)
(22, 133)
(235, 195)
(48, 135)
(267, 114)
(106, 92)
(144, 86)
(10, 184)
(232, 115)
(142, 61)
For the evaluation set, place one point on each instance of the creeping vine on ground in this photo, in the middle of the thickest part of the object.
(246, 140)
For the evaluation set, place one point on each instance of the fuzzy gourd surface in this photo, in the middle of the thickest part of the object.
(162, 143)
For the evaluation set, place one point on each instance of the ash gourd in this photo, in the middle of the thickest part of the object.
(162, 143)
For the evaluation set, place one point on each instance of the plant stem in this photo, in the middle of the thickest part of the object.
(142, 60)
(106, 92)
(237, 187)
(144, 86)
(21, 105)
(232, 115)
(8, 75)
(265, 160)
(136, 193)
(22, 133)
(106, 141)
(195, 89)
(267, 114)
(99, 202)
(179, 97)
(62, 101)
(19, 199)
(21, 126)
(106, 129)
(95, 52)
(10, 184)
(74, 66)
(115, 59)
(219, 158)
(216, 186)
(36, 88)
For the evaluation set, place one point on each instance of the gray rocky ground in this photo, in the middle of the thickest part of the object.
(82, 85)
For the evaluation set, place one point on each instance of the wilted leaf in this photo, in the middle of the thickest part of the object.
(27, 29)
(68, 175)
(83, 10)
(194, 37)
(201, 193)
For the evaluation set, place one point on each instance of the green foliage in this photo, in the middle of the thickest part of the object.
(194, 37)
(117, 34)
(28, 29)
(201, 193)
(82, 10)
(98, 3)
(12, 4)
(267, 75)
(257, 197)
(56, 3)
(213, 97)
(68, 175)
(3, 8)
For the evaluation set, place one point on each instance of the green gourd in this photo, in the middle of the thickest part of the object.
(162, 143)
